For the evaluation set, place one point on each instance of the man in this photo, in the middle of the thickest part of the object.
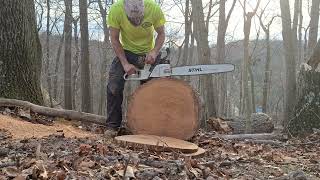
(132, 24)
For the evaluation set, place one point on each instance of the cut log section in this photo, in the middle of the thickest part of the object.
(157, 143)
(199, 153)
(164, 107)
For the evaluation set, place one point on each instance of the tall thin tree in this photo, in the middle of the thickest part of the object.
(267, 71)
(290, 61)
(247, 16)
(85, 63)
(222, 29)
(67, 55)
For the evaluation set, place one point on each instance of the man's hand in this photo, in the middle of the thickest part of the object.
(151, 57)
(129, 68)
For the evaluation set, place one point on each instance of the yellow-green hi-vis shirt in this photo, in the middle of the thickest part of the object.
(140, 39)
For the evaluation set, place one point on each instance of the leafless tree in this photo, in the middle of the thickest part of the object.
(67, 54)
(267, 71)
(222, 29)
(290, 59)
(247, 104)
(85, 63)
(201, 35)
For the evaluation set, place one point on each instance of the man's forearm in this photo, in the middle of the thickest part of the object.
(118, 49)
(159, 42)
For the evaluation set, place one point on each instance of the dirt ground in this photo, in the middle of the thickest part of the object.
(64, 151)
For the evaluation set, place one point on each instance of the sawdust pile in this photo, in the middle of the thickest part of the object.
(20, 129)
(164, 107)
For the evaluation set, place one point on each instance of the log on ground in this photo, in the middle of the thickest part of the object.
(46, 111)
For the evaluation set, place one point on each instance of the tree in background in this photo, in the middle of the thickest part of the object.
(222, 29)
(313, 32)
(290, 59)
(247, 98)
(267, 71)
(20, 54)
(67, 54)
(201, 36)
(85, 63)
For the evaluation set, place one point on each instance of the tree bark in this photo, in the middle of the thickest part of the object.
(76, 65)
(20, 55)
(204, 58)
(47, 65)
(222, 28)
(85, 63)
(106, 51)
(67, 55)
(290, 59)
(56, 69)
(313, 32)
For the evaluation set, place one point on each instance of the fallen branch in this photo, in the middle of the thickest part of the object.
(265, 136)
(62, 113)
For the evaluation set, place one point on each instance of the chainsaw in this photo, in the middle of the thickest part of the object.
(165, 70)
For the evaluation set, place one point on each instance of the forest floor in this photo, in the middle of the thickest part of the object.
(32, 147)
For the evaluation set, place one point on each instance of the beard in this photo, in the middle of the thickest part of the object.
(136, 21)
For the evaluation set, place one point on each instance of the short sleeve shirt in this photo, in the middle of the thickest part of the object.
(137, 39)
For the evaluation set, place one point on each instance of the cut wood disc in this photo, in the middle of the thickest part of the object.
(164, 107)
(158, 143)
(199, 153)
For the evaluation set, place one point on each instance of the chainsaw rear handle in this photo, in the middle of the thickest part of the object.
(135, 76)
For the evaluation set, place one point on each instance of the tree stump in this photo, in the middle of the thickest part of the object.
(164, 107)
(307, 110)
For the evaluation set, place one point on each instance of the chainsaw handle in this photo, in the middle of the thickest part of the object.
(132, 77)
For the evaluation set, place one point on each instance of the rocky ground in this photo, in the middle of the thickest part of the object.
(68, 152)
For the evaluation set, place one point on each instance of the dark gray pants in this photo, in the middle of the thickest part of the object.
(116, 85)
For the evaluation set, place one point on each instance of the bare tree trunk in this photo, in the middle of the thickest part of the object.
(313, 32)
(47, 65)
(187, 31)
(20, 55)
(252, 96)
(56, 69)
(290, 58)
(85, 63)
(77, 65)
(300, 52)
(222, 28)
(204, 57)
(246, 63)
(103, 70)
(67, 55)
(267, 71)
(267, 75)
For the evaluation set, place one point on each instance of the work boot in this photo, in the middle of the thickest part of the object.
(110, 133)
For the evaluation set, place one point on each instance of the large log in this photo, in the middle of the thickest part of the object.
(46, 111)
(164, 107)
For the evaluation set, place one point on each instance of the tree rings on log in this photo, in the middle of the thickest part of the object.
(157, 143)
(164, 107)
